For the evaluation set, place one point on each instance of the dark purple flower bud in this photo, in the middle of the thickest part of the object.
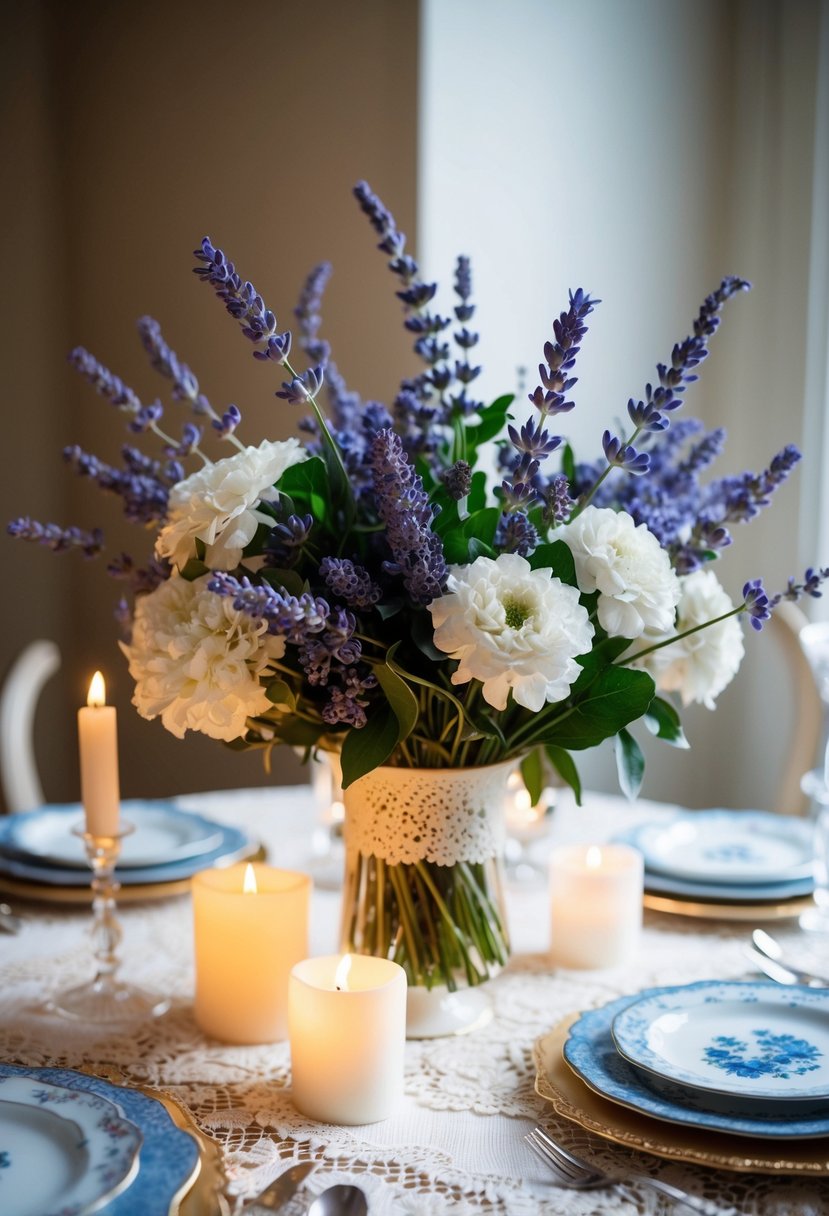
(146, 418)
(277, 350)
(228, 422)
(457, 479)
(166, 361)
(515, 534)
(533, 439)
(104, 381)
(59, 540)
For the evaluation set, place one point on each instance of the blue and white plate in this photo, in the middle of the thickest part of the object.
(163, 834)
(754, 1040)
(732, 847)
(62, 1152)
(234, 845)
(772, 892)
(592, 1055)
(169, 1158)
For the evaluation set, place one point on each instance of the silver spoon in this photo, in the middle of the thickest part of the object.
(340, 1201)
(771, 948)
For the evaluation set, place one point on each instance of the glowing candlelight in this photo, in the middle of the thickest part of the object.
(98, 743)
(596, 904)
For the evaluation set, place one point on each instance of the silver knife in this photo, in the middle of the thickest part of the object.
(282, 1188)
(782, 974)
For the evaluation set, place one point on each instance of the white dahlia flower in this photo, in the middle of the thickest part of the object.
(701, 665)
(217, 505)
(196, 661)
(512, 628)
(638, 588)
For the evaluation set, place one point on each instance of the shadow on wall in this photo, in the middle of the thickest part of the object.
(134, 130)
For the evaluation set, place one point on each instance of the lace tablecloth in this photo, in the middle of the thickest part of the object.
(456, 1142)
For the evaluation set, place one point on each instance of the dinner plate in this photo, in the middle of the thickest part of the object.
(745, 913)
(730, 847)
(753, 1040)
(63, 1152)
(169, 1158)
(663, 884)
(163, 834)
(234, 846)
(592, 1055)
(574, 1101)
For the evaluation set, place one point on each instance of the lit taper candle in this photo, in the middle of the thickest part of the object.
(98, 740)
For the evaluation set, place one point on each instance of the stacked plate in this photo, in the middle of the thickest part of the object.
(743, 1059)
(72, 1144)
(41, 857)
(726, 863)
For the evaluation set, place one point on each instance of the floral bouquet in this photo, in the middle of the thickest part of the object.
(374, 592)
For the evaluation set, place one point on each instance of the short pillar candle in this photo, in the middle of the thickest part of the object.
(596, 905)
(347, 1018)
(250, 926)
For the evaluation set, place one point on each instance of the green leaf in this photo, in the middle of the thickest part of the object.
(477, 548)
(281, 694)
(568, 463)
(630, 764)
(490, 422)
(388, 609)
(532, 770)
(663, 721)
(614, 698)
(400, 697)
(479, 526)
(558, 558)
(477, 493)
(194, 569)
(565, 766)
(307, 483)
(369, 747)
(423, 636)
(284, 580)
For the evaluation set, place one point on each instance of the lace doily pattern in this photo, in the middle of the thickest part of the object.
(455, 1145)
(440, 815)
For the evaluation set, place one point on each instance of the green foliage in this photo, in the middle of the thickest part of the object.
(630, 764)
(368, 748)
(663, 721)
(614, 698)
(565, 766)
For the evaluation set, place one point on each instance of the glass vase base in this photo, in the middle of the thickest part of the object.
(111, 1004)
(433, 1013)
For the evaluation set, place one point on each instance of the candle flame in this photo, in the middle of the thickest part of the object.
(97, 694)
(594, 857)
(341, 974)
(249, 886)
(337, 812)
(523, 801)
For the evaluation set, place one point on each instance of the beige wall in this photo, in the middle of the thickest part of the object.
(131, 130)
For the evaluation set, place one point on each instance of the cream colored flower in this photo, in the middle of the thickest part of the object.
(512, 628)
(638, 589)
(700, 666)
(196, 661)
(217, 505)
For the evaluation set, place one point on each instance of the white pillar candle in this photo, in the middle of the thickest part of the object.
(250, 926)
(596, 904)
(348, 1033)
(98, 741)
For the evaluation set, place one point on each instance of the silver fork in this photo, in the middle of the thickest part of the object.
(571, 1172)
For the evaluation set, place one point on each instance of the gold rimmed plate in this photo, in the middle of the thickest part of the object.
(785, 909)
(575, 1101)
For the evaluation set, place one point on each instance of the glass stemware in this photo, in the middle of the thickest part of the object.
(106, 999)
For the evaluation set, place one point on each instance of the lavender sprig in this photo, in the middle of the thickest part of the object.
(105, 382)
(352, 583)
(144, 492)
(404, 508)
(59, 540)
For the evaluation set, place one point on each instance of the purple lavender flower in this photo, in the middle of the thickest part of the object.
(142, 579)
(104, 381)
(457, 479)
(286, 539)
(557, 503)
(298, 390)
(568, 330)
(277, 349)
(404, 508)
(227, 424)
(291, 616)
(624, 456)
(756, 603)
(59, 540)
(167, 363)
(347, 701)
(307, 313)
(515, 534)
(794, 591)
(241, 300)
(350, 582)
(144, 485)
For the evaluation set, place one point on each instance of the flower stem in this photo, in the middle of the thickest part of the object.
(678, 636)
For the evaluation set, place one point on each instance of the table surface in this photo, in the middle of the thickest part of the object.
(455, 1143)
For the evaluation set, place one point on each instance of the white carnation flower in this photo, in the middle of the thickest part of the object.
(701, 665)
(196, 661)
(625, 563)
(217, 505)
(512, 628)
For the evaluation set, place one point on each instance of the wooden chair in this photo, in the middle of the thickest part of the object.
(18, 701)
(787, 625)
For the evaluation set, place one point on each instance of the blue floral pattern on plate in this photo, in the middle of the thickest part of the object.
(169, 1156)
(70, 1159)
(592, 1055)
(755, 1040)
